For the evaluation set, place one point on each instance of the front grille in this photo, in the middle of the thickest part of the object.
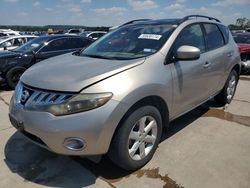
(26, 95)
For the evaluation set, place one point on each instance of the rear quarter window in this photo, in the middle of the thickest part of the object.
(225, 32)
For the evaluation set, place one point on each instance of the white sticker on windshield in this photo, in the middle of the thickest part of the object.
(149, 50)
(150, 36)
(34, 45)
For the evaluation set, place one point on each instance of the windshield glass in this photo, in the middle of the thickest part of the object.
(242, 39)
(32, 45)
(130, 42)
(3, 38)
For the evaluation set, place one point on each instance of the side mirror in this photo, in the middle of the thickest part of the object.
(39, 55)
(6, 45)
(187, 53)
(77, 52)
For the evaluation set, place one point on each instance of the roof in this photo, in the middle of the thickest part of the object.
(50, 37)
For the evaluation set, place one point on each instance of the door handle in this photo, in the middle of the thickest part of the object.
(207, 65)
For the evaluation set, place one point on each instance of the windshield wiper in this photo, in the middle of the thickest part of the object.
(97, 56)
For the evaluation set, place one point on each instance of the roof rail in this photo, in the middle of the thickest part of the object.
(199, 16)
(132, 21)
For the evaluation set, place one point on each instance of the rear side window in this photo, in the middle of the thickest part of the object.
(78, 43)
(191, 36)
(225, 32)
(58, 44)
(214, 38)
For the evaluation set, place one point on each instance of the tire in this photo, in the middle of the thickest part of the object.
(13, 76)
(129, 136)
(227, 93)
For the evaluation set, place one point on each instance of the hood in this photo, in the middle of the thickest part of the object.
(8, 54)
(244, 47)
(70, 73)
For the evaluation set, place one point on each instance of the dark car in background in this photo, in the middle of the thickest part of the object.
(243, 41)
(13, 63)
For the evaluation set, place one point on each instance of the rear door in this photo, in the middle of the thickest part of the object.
(218, 54)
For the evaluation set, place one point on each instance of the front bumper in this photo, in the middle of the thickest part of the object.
(95, 127)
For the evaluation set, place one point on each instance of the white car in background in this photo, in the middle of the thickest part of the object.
(73, 31)
(93, 34)
(12, 42)
(8, 32)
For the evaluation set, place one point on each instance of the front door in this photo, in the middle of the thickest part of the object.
(191, 82)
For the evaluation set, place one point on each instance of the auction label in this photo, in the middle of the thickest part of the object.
(150, 36)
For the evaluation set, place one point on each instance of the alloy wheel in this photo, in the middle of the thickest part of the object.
(142, 137)
(231, 87)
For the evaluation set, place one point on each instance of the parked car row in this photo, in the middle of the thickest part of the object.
(243, 41)
(14, 62)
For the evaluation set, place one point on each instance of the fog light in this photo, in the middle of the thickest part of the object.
(74, 144)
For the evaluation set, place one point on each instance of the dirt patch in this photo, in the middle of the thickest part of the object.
(221, 114)
(245, 78)
(115, 174)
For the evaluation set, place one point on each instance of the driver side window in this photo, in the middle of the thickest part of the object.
(191, 36)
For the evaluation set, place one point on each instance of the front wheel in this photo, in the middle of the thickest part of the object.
(136, 140)
(227, 93)
(13, 76)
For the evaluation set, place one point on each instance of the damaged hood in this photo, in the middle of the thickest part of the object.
(70, 73)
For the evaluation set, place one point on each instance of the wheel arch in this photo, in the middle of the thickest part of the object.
(237, 68)
(153, 100)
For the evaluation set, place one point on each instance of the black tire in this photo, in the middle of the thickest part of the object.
(13, 76)
(223, 97)
(119, 149)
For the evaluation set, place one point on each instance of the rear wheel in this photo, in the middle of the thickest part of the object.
(227, 93)
(13, 76)
(136, 140)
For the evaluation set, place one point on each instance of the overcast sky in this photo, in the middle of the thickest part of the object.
(113, 12)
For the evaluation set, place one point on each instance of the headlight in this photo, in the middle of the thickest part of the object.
(76, 104)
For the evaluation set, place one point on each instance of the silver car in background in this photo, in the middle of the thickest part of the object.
(118, 94)
(12, 42)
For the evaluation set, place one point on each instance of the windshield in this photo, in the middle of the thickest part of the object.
(3, 38)
(32, 45)
(242, 39)
(130, 42)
